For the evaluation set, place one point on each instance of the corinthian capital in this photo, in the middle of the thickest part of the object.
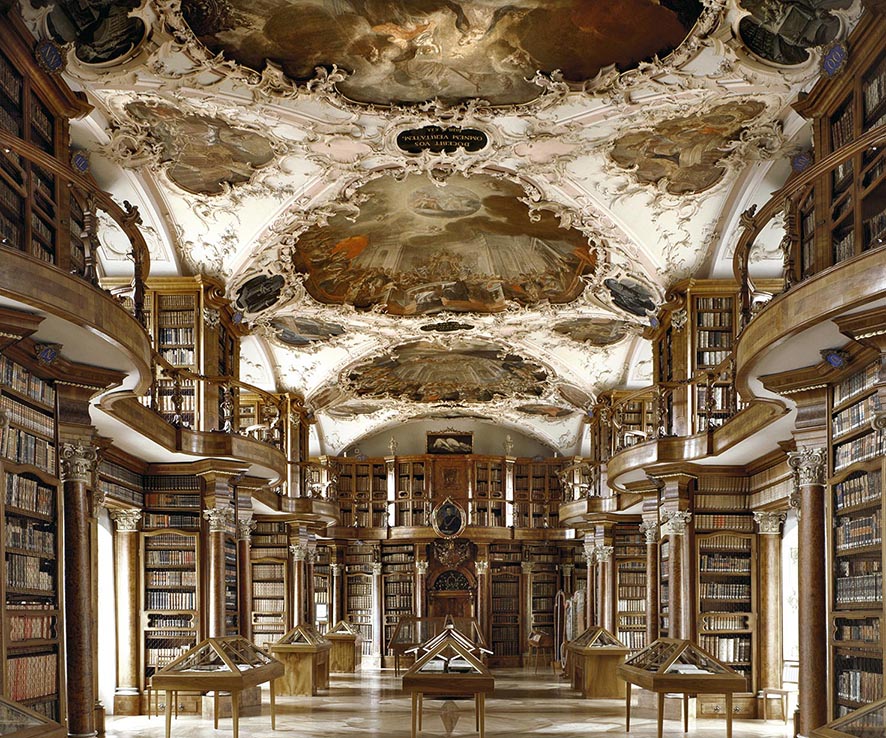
(220, 518)
(482, 567)
(299, 551)
(245, 526)
(676, 522)
(126, 521)
(77, 462)
(810, 464)
(770, 522)
(421, 568)
(649, 528)
(604, 553)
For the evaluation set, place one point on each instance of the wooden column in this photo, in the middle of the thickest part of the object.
(220, 519)
(127, 697)
(810, 464)
(680, 606)
(335, 613)
(245, 526)
(77, 461)
(421, 578)
(378, 628)
(310, 600)
(483, 594)
(653, 614)
(299, 598)
(590, 586)
(526, 584)
(606, 587)
(769, 556)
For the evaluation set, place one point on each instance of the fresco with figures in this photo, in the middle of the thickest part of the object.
(465, 245)
(402, 51)
(594, 331)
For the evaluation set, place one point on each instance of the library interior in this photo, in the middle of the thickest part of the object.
(598, 430)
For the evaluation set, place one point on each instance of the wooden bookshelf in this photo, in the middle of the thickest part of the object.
(31, 620)
(398, 572)
(856, 512)
(544, 584)
(714, 322)
(269, 554)
(358, 592)
(504, 566)
(322, 585)
(630, 586)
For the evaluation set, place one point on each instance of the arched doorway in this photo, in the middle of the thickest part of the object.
(452, 593)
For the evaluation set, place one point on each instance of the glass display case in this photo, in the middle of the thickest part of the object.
(866, 722)
(591, 662)
(230, 664)
(18, 721)
(346, 652)
(305, 656)
(413, 631)
(671, 665)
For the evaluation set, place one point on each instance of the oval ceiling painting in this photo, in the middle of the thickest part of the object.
(550, 412)
(408, 51)
(294, 331)
(350, 410)
(468, 371)
(466, 245)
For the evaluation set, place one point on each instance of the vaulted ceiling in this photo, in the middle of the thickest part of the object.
(438, 208)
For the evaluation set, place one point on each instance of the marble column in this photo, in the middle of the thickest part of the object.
(220, 519)
(810, 465)
(606, 587)
(590, 554)
(421, 578)
(680, 609)
(653, 614)
(483, 594)
(299, 589)
(77, 462)
(769, 576)
(335, 613)
(378, 629)
(127, 697)
(245, 526)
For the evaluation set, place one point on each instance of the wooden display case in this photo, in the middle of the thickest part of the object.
(593, 659)
(305, 655)
(671, 665)
(18, 721)
(866, 722)
(346, 652)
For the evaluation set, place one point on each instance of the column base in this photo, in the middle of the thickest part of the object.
(127, 704)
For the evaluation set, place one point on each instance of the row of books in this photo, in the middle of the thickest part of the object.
(721, 502)
(727, 648)
(398, 586)
(874, 91)
(860, 589)
(281, 552)
(855, 415)
(724, 622)
(858, 532)
(120, 493)
(175, 318)
(858, 490)
(24, 448)
(544, 589)
(860, 449)
(31, 628)
(268, 589)
(266, 572)
(397, 557)
(27, 536)
(21, 380)
(359, 602)
(844, 246)
(267, 604)
(862, 682)
(856, 383)
(171, 578)
(628, 578)
(724, 521)
(175, 335)
(633, 639)
(858, 630)
(28, 572)
(178, 356)
(163, 500)
(713, 303)
(39, 227)
(632, 604)
(32, 676)
(399, 602)
(724, 590)
(170, 600)
(170, 557)
(26, 493)
(10, 80)
(714, 339)
(842, 129)
(172, 520)
(631, 621)
(156, 657)
(723, 562)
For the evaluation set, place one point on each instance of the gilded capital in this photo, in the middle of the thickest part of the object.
(810, 465)
(376, 568)
(604, 553)
(770, 522)
(526, 566)
(77, 462)
(245, 526)
(220, 518)
(126, 521)
(649, 528)
(299, 551)
(676, 522)
(335, 570)
(482, 567)
(421, 568)
(590, 551)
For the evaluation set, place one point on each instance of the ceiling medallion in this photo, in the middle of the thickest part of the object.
(439, 140)
(447, 326)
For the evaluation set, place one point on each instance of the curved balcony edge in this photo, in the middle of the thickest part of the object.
(827, 295)
(311, 512)
(125, 407)
(46, 288)
(676, 449)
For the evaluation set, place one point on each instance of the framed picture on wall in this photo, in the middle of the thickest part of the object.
(450, 442)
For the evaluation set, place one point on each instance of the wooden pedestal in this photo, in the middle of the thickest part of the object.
(345, 654)
(307, 669)
(593, 672)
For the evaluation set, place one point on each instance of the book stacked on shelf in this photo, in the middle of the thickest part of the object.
(724, 521)
(858, 490)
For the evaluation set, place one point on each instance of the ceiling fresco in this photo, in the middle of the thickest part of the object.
(683, 153)
(202, 154)
(545, 411)
(593, 331)
(102, 31)
(463, 371)
(409, 51)
(463, 245)
(299, 331)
